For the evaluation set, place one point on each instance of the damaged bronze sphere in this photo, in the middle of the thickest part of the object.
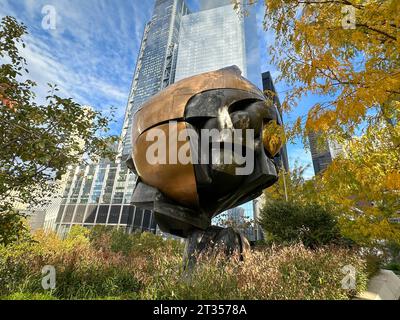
(186, 195)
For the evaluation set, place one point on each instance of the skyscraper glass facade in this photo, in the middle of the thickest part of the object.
(323, 151)
(100, 194)
(175, 44)
(239, 218)
(320, 153)
(216, 38)
(155, 66)
(210, 40)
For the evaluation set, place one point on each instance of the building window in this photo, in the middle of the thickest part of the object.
(146, 219)
(60, 214)
(91, 214)
(69, 213)
(114, 214)
(80, 213)
(137, 223)
(102, 215)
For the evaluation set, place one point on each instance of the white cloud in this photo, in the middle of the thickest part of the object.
(92, 53)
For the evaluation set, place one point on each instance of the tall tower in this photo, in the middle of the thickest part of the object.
(217, 37)
(323, 152)
(155, 66)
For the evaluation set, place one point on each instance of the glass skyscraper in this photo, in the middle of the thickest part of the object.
(323, 151)
(210, 40)
(101, 193)
(216, 38)
(321, 156)
(155, 66)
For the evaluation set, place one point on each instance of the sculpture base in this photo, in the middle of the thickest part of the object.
(214, 238)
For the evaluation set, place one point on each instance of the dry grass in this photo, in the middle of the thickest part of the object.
(145, 267)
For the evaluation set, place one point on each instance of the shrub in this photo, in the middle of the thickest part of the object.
(95, 282)
(288, 222)
(393, 266)
(374, 264)
(12, 226)
(118, 241)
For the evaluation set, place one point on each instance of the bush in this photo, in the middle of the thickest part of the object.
(395, 267)
(374, 264)
(288, 222)
(12, 226)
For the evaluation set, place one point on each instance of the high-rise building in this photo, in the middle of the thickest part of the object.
(211, 4)
(156, 63)
(36, 219)
(257, 207)
(323, 151)
(218, 37)
(101, 193)
(210, 40)
(321, 156)
(239, 220)
(268, 85)
(236, 215)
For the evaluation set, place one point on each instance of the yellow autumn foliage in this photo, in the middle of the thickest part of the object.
(346, 51)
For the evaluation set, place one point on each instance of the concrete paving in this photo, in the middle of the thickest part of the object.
(384, 286)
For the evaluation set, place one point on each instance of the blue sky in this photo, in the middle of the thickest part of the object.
(91, 55)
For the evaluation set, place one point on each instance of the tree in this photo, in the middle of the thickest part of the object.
(38, 141)
(344, 50)
(12, 227)
(287, 222)
(302, 215)
(241, 223)
(365, 185)
(291, 186)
